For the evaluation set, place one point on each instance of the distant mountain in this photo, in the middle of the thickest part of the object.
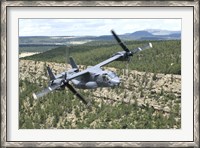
(178, 35)
(155, 34)
(136, 35)
(162, 32)
(140, 34)
(148, 34)
(104, 37)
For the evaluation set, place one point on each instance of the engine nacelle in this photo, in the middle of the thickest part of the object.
(91, 85)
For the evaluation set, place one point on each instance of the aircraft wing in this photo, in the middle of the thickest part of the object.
(88, 70)
(78, 74)
(109, 60)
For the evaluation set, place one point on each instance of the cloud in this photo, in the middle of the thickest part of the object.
(80, 27)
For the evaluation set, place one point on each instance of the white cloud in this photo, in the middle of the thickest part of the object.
(79, 27)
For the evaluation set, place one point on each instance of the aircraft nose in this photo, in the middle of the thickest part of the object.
(116, 82)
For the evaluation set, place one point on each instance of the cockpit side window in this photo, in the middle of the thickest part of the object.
(105, 77)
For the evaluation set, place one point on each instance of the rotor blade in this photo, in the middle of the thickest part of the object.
(149, 45)
(45, 91)
(119, 41)
(65, 77)
(77, 94)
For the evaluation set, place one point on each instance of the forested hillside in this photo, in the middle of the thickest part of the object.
(142, 101)
(149, 96)
(164, 57)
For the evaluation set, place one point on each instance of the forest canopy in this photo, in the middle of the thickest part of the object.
(164, 57)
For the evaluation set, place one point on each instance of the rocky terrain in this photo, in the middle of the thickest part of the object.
(158, 91)
(146, 87)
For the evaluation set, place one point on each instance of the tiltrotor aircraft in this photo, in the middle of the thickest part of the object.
(90, 78)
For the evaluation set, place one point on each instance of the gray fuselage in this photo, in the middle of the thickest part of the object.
(96, 77)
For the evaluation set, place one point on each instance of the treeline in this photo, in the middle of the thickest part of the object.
(38, 48)
(164, 57)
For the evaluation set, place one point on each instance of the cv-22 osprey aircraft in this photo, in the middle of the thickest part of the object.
(90, 78)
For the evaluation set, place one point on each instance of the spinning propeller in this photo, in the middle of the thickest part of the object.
(129, 53)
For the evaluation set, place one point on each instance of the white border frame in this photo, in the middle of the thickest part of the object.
(100, 132)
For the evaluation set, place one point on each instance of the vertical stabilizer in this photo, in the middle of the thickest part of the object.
(51, 75)
(72, 63)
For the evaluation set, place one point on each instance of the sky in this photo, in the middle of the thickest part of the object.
(92, 27)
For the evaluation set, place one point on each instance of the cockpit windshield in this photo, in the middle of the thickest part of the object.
(108, 76)
(112, 75)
